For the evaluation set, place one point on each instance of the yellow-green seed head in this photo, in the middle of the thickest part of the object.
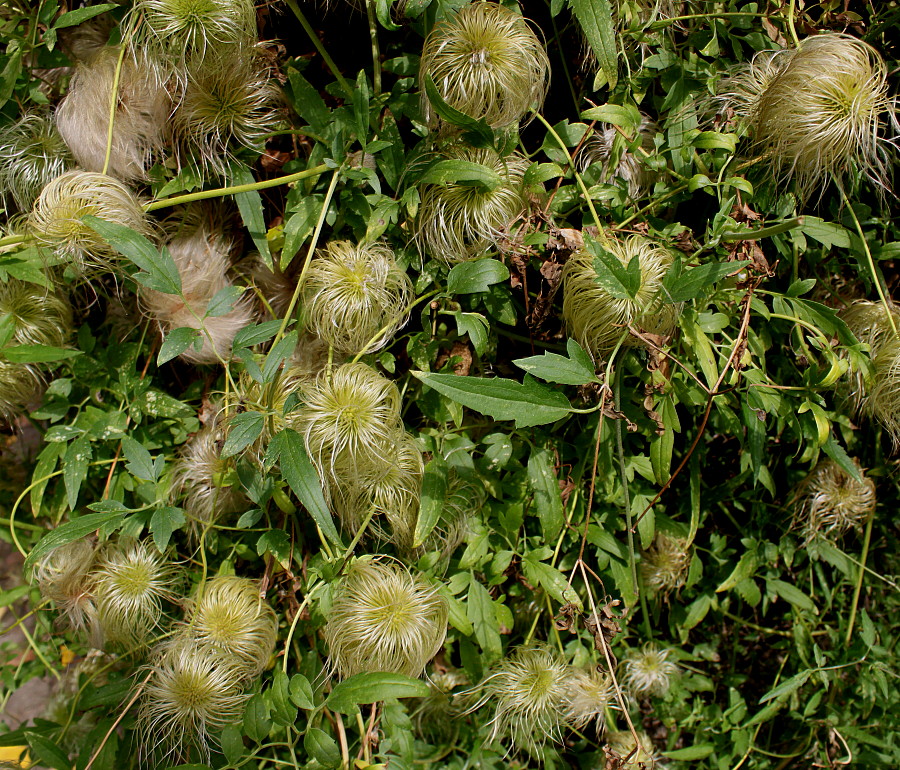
(529, 690)
(20, 385)
(56, 217)
(130, 582)
(486, 62)
(384, 619)
(39, 316)
(664, 565)
(591, 693)
(33, 154)
(628, 753)
(649, 671)
(192, 692)
(356, 297)
(65, 577)
(829, 501)
(597, 319)
(598, 149)
(458, 222)
(233, 618)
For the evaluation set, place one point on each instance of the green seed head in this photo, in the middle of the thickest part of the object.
(664, 566)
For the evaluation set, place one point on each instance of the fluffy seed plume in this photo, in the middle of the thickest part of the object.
(486, 62)
(349, 419)
(829, 501)
(664, 565)
(33, 154)
(616, 162)
(39, 316)
(142, 111)
(649, 671)
(878, 394)
(179, 30)
(818, 111)
(231, 617)
(628, 753)
(64, 577)
(596, 318)
(356, 296)
(228, 102)
(130, 583)
(19, 386)
(198, 477)
(457, 222)
(192, 692)
(201, 257)
(384, 619)
(529, 690)
(56, 217)
(591, 693)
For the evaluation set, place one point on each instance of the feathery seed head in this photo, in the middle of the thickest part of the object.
(33, 154)
(384, 619)
(649, 671)
(183, 29)
(64, 576)
(627, 166)
(192, 692)
(142, 111)
(20, 384)
(130, 582)
(354, 292)
(664, 566)
(232, 617)
(486, 62)
(436, 715)
(39, 316)
(818, 109)
(590, 694)
(595, 318)
(530, 693)
(228, 102)
(56, 217)
(829, 501)
(641, 755)
(877, 396)
(458, 222)
(350, 418)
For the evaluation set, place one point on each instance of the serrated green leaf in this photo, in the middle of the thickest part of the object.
(618, 280)
(254, 335)
(476, 276)
(547, 498)
(138, 460)
(528, 403)
(243, 430)
(372, 688)
(163, 523)
(691, 283)
(48, 752)
(745, 568)
(250, 206)
(792, 594)
(81, 15)
(596, 20)
(787, 687)
(480, 611)
(577, 369)
(462, 172)
(176, 342)
(223, 301)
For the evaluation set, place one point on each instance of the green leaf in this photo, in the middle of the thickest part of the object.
(75, 466)
(243, 430)
(251, 208)
(300, 692)
(618, 280)
(37, 354)
(322, 747)
(713, 140)
(48, 752)
(547, 577)
(160, 272)
(538, 173)
(787, 687)
(223, 301)
(475, 326)
(163, 523)
(372, 688)
(80, 15)
(691, 283)
(284, 712)
(837, 453)
(72, 531)
(700, 751)
(596, 20)
(792, 594)
(480, 611)
(176, 342)
(577, 369)
(254, 335)
(462, 172)
(232, 744)
(547, 498)
(256, 719)
(432, 498)
(138, 460)
(476, 276)
(528, 403)
(625, 116)
(287, 449)
(476, 132)
(828, 234)
(745, 568)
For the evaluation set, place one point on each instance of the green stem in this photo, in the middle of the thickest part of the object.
(376, 53)
(314, 39)
(763, 232)
(113, 103)
(790, 21)
(867, 539)
(578, 179)
(652, 205)
(620, 450)
(240, 188)
(12, 240)
(383, 330)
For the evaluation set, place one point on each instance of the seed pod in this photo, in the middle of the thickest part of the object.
(486, 62)
(625, 166)
(356, 297)
(829, 501)
(649, 672)
(65, 577)
(597, 318)
(591, 693)
(664, 565)
(33, 155)
(384, 619)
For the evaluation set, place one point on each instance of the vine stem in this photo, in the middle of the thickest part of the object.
(867, 540)
(376, 52)
(791, 27)
(113, 103)
(234, 190)
(314, 39)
